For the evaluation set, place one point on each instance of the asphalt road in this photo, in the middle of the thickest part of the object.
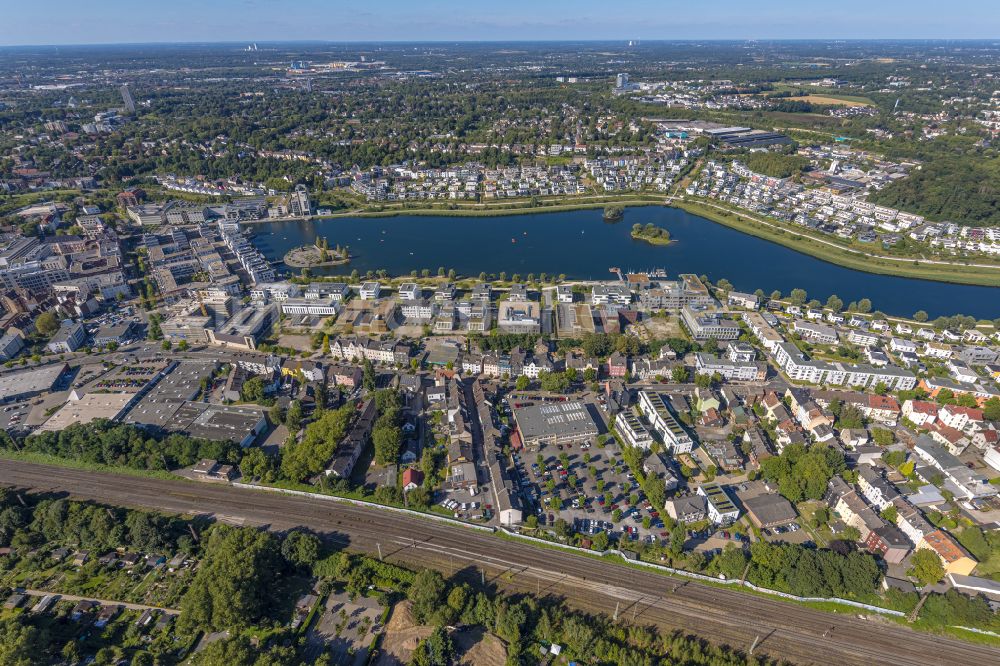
(782, 630)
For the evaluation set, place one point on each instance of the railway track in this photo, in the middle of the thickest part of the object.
(724, 616)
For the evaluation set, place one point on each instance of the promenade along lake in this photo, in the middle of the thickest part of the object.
(581, 245)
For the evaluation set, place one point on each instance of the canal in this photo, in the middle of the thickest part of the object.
(581, 245)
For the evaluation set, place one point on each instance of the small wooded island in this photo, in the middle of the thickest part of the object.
(651, 233)
(614, 213)
(318, 254)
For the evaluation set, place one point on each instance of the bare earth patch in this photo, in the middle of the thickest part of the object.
(402, 635)
(476, 648)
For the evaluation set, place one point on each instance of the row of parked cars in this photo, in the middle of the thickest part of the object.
(459, 506)
(782, 529)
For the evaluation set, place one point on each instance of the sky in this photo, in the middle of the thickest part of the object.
(24, 22)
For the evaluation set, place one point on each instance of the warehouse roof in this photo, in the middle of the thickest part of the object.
(25, 382)
(560, 419)
(770, 509)
(90, 407)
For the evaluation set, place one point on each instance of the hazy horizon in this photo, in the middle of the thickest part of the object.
(118, 22)
(284, 42)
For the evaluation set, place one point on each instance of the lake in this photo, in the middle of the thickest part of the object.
(581, 245)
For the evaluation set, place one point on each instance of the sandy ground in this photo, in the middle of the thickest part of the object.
(659, 328)
(300, 342)
(402, 635)
(477, 649)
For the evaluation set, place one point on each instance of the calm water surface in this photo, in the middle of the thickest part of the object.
(581, 245)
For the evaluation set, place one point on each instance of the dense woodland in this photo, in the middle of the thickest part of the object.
(777, 165)
(962, 190)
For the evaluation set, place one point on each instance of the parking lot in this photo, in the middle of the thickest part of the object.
(589, 484)
(345, 628)
(463, 504)
(13, 416)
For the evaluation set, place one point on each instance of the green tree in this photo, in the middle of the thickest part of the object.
(19, 642)
(303, 459)
(257, 464)
(991, 409)
(521, 383)
(731, 562)
(234, 587)
(438, 649)
(850, 533)
(300, 548)
(803, 473)
(252, 390)
(293, 417)
(47, 324)
(678, 535)
(883, 436)
(368, 375)
(429, 465)
(388, 440)
(556, 382)
(426, 593)
(679, 374)
(925, 566)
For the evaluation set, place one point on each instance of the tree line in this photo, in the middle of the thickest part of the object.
(103, 442)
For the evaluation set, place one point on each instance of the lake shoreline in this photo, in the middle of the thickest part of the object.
(845, 258)
(582, 246)
(950, 273)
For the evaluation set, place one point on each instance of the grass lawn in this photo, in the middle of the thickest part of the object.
(822, 535)
(990, 568)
